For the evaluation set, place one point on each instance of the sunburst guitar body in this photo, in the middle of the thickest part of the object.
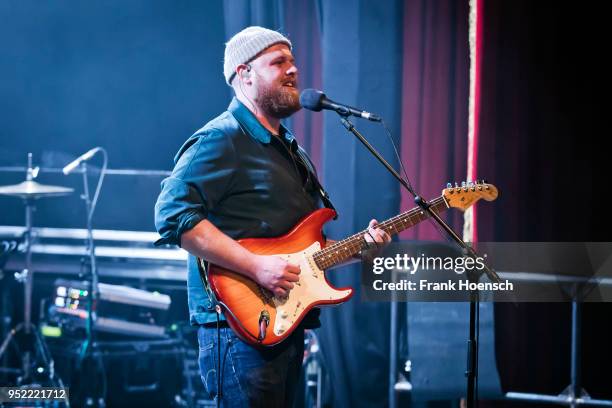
(261, 319)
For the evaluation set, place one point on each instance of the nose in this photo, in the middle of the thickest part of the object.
(293, 70)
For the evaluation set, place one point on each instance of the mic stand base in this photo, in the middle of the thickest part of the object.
(574, 395)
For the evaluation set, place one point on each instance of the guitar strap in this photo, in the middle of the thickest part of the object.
(313, 174)
(203, 269)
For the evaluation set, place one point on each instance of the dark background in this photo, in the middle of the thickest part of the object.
(135, 77)
(139, 77)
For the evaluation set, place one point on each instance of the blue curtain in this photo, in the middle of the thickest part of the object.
(355, 336)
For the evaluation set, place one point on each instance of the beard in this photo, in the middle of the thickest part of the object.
(278, 101)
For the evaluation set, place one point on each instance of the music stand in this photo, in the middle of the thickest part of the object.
(573, 395)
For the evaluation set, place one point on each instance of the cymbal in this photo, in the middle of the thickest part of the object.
(32, 189)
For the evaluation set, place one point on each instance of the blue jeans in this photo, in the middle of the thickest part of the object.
(250, 377)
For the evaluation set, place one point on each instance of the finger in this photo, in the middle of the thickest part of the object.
(280, 292)
(285, 285)
(377, 234)
(380, 235)
(293, 268)
(372, 223)
(383, 238)
(291, 277)
(368, 238)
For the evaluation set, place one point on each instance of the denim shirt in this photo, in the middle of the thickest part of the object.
(244, 180)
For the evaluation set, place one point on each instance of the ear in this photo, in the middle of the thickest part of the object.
(243, 73)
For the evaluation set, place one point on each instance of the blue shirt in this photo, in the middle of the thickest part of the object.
(244, 180)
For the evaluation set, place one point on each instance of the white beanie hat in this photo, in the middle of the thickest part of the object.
(245, 45)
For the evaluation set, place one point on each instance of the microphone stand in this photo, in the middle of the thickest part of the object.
(87, 358)
(88, 351)
(93, 284)
(472, 351)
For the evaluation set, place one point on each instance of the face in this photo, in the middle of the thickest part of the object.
(274, 79)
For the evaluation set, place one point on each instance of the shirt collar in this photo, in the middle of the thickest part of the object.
(253, 127)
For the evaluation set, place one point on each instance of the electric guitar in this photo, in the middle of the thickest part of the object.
(260, 318)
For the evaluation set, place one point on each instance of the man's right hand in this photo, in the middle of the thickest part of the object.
(276, 274)
(272, 272)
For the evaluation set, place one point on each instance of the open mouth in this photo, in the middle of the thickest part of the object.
(290, 84)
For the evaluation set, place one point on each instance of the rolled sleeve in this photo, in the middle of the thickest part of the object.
(200, 179)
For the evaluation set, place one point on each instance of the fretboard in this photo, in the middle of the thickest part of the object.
(340, 251)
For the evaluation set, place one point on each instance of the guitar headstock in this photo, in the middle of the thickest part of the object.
(465, 195)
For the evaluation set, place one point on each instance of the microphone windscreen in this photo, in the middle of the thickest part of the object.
(312, 99)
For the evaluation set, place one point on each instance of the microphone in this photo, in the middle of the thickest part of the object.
(315, 100)
(84, 157)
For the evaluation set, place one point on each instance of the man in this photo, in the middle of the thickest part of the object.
(243, 175)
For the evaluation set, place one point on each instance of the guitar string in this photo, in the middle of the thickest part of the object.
(390, 225)
(403, 221)
(342, 250)
(334, 251)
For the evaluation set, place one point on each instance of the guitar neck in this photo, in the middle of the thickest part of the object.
(342, 250)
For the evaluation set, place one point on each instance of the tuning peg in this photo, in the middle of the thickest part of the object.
(449, 185)
(456, 185)
(463, 184)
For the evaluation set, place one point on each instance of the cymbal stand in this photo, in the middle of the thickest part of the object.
(26, 277)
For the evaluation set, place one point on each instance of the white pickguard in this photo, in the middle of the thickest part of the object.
(311, 288)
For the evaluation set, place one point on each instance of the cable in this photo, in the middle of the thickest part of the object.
(399, 159)
(222, 374)
(476, 346)
(255, 111)
(407, 179)
(219, 395)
